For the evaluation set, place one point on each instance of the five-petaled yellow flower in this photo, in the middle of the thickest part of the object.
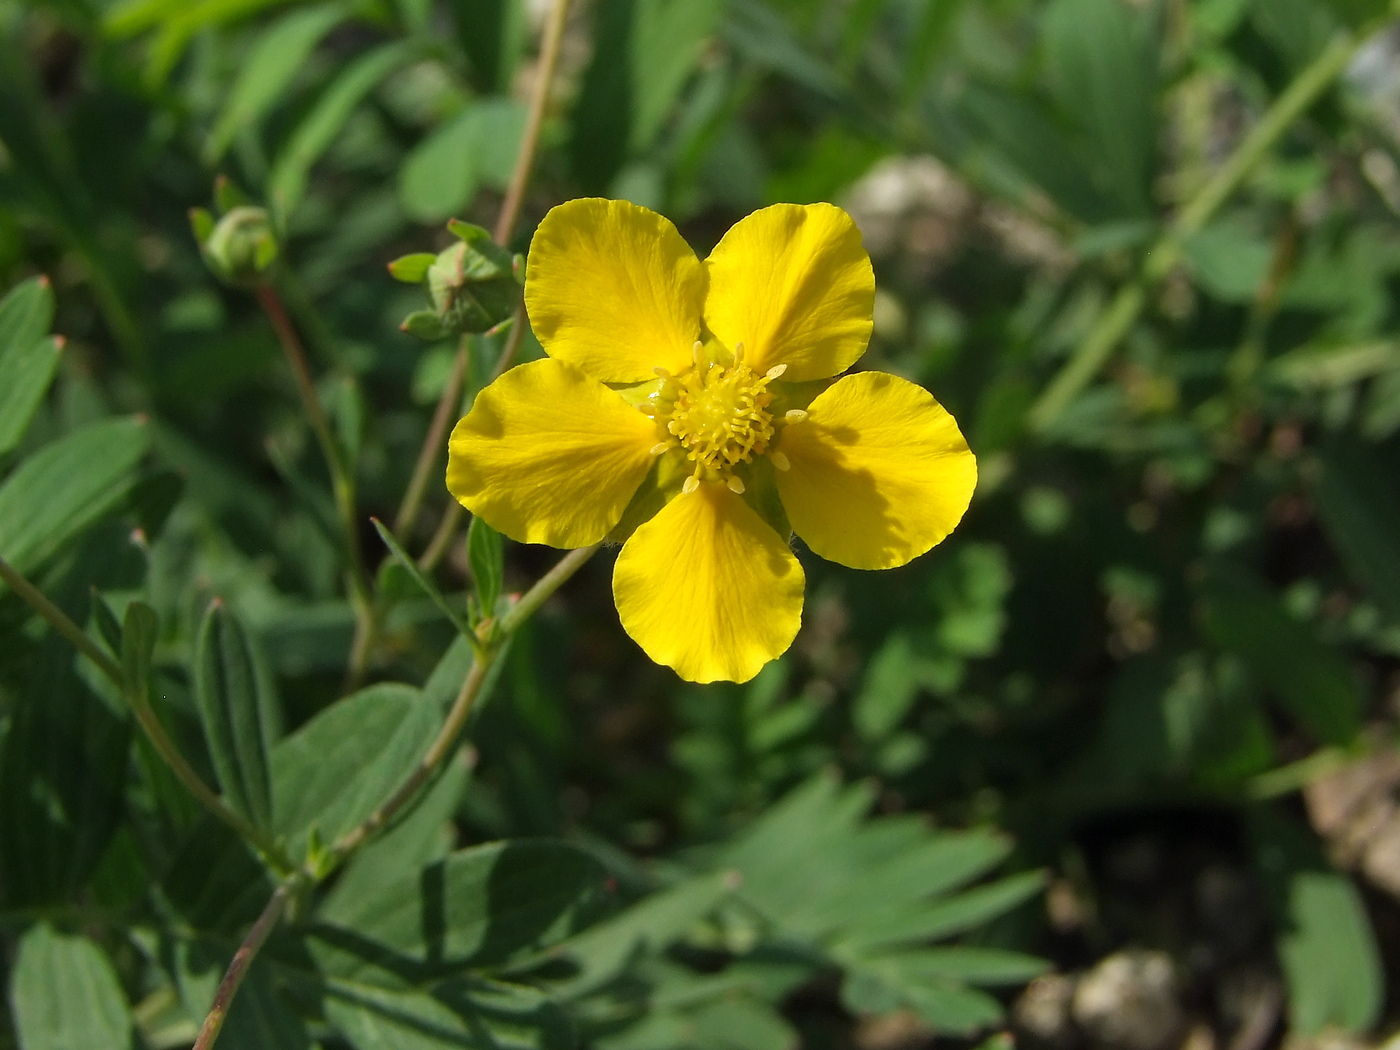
(687, 408)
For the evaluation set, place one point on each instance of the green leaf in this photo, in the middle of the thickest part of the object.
(878, 988)
(335, 770)
(1103, 69)
(475, 149)
(419, 577)
(26, 313)
(1325, 942)
(63, 773)
(1229, 260)
(478, 907)
(424, 836)
(942, 917)
(486, 559)
(25, 375)
(28, 360)
(1313, 680)
(890, 686)
(66, 995)
(962, 964)
(268, 70)
(107, 623)
(644, 52)
(605, 948)
(412, 269)
(468, 1013)
(319, 128)
(492, 34)
(140, 628)
(67, 487)
(238, 711)
(1357, 501)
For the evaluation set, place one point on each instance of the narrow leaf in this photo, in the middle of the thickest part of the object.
(238, 713)
(429, 588)
(486, 558)
(26, 370)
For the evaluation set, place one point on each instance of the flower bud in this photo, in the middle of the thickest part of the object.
(473, 285)
(241, 246)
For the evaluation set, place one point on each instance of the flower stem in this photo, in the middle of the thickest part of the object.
(342, 479)
(144, 714)
(1127, 306)
(529, 144)
(59, 621)
(243, 959)
(432, 444)
(450, 733)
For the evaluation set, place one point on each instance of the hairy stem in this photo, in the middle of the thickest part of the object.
(1127, 306)
(242, 960)
(450, 733)
(529, 145)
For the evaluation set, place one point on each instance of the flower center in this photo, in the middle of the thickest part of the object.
(720, 416)
(717, 414)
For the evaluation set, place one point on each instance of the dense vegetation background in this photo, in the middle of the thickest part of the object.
(1130, 732)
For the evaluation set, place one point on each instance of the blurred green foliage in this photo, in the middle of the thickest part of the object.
(1147, 253)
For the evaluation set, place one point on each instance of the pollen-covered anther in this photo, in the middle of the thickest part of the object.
(661, 446)
(736, 485)
(720, 417)
(775, 371)
(795, 415)
(780, 461)
(690, 484)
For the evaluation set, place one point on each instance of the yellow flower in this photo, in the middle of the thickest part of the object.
(687, 408)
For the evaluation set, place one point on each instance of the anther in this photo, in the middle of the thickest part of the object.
(795, 415)
(660, 447)
(735, 485)
(781, 461)
(738, 353)
(690, 484)
(662, 372)
(697, 352)
(776, 371)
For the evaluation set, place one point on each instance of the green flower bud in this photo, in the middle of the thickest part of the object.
(241, 246)
(473, 285)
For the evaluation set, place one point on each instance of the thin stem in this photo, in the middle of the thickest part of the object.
(442, 538)
(342, 480)
(432, 443)
(1127, 306)
(452, 514)
(529, 145)
(145, 715)
(59, 621)
(451, 731)
(242, 960)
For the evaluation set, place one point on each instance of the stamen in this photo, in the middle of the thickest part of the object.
(735, 485)
(660, 447)
(662, 372)
(738, 354)
(690, 484)
(697, 353)
(781, 461)
(795, 415)
(776, 371)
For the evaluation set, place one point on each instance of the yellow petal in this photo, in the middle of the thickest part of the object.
(879, 472)
(613, 289)
(708, 589)
(548, 455)
(793, 284)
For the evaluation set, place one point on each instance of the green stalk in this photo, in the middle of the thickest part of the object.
(1127, 306)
